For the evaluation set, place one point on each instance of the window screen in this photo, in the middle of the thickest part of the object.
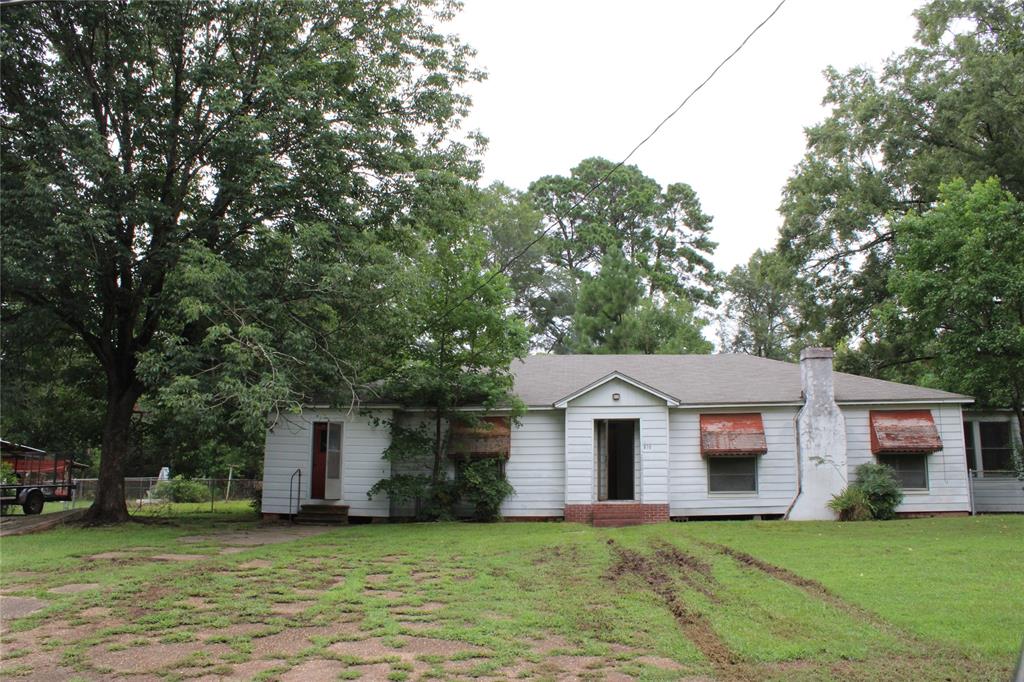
(732, 474)
(911, 470)
(334, 451)
(995, 446)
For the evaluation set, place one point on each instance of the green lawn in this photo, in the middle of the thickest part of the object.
(48, 508)
(194, 593)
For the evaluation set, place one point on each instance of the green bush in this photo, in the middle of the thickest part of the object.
(878, 482)
(431, 500)
(180, 489)
(7, 474)
(482, 483)
(852, 505)
(256, 497)
(874, 495)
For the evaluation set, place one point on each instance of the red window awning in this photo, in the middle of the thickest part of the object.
(903, 431)
(490, 437)
(732, 435)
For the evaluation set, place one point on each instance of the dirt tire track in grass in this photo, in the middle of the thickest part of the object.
(811, 587)
(819, 591)
(693, 571)
(694, 625)
(903, 665)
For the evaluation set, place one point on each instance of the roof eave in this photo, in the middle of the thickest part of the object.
(910, 401)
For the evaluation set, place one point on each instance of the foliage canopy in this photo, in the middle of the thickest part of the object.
(209, 195)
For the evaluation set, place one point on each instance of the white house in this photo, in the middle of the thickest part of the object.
(615, 439)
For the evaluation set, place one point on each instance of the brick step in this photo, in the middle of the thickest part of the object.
(616, 510)
(617, 515)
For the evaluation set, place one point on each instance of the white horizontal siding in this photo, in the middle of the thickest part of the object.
(289, 446)
(536, 465)
(651, 476)
(688, 475)
(947, 468)
(998, 494)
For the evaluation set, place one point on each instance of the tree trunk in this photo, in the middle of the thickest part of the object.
(109, 505)
(438, 448)
(1017, 405)
(1019, 411)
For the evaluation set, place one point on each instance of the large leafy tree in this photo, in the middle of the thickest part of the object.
(598, 209)
(512, 225)
(765, 311)
(51, 393)
(205, 193)
(951, 106)
(960, 275)
(467, 337)
(613, 316)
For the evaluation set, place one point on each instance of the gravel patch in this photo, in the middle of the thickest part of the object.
(316, 669)
(19, 607)
(256, 563)
(149, 657)
(109, 556)
(74, 588)
(178, 557)
(290, 608)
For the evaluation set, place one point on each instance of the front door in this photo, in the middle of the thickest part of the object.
(620, 460)
(616, 449)
(325, 482)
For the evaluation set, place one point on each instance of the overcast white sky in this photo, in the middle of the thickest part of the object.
(570, 79)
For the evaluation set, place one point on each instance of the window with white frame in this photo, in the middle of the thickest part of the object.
(911, 470)
(989, 446)
(732, 474)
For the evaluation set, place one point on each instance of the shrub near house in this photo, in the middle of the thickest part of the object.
(875, 495)
(180, 489)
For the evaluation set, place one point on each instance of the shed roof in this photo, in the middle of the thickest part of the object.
(898, 431)
(726, 435)
(724, 379)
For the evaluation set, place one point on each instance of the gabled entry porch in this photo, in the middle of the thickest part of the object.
(616, 454)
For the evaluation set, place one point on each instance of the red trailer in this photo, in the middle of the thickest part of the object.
(40, 477)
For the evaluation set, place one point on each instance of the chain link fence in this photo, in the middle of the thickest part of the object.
(140, 490)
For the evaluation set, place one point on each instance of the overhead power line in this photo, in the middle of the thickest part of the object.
(593, 188)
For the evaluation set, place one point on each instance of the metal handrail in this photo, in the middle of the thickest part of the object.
(298, 494)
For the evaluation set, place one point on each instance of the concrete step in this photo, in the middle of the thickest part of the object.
(324, 514)
(325, 508)
(321, 520)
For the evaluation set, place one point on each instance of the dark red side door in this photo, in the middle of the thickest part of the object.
(319, 460)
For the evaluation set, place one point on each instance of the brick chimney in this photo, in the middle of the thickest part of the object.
(821, 439)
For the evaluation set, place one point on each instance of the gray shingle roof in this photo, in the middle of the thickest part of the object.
(726, 379)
